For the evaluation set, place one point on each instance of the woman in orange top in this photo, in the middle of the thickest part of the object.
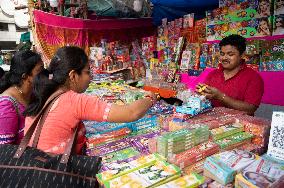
(69, 70)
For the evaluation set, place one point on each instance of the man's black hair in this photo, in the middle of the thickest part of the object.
(234, 40)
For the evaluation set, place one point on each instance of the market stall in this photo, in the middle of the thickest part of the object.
(183, 140)
(226, 147)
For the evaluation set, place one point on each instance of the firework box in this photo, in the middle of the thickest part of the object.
(119, 169)
(144, 123)
(181, 140)
(238, 145)
(195, 168)
(120, 155)
(214, 184)
(175, 142)
(189, 181)
(255, 125)
(259, 127)
(227, 130)
(224, 166)
(151, 175)
(102, 150)
(233, 139)
(214, 123)
(96, 139)
(218, 171)
(152, 145)
(261, 173)
(104, 127)
(141, 142)
(195, 154)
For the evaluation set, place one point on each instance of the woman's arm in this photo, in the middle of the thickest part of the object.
(131, 112)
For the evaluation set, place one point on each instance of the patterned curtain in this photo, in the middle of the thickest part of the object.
(52, 32)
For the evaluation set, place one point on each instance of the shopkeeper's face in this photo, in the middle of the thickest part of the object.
(230, 57)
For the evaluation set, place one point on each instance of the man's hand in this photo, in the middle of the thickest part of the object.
(209, 92)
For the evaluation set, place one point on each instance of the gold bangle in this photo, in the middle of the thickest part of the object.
(223, 97)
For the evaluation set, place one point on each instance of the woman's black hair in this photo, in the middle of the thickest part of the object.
(234, 40)
(22, 63)
(48, 81)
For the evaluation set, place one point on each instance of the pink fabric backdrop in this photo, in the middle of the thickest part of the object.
(96, 25)
(273, 85)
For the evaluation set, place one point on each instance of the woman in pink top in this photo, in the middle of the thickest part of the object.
(15, 91)
(69, 70)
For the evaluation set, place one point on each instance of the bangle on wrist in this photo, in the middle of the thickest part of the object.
(223, 96)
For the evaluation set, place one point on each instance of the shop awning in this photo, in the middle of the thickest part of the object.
(173, 9)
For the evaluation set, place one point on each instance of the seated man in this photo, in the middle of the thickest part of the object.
(233, 84)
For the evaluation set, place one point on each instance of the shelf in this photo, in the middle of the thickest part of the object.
(274, 37)
(115, 71)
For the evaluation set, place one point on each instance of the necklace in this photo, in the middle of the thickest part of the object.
(18, 89)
